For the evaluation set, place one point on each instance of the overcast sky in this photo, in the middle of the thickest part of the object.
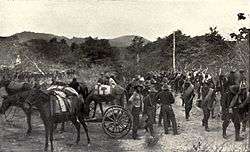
(113, 18)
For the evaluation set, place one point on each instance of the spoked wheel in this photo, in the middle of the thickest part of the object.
(117, 122)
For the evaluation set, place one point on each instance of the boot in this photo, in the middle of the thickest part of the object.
(237, 136)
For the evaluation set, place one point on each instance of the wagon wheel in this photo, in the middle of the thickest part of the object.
(117, 122)
(92, 109)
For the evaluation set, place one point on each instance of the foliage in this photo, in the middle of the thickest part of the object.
(52, 50)
(166, 44)
(243, 32)
(136, 45)
(96, 49)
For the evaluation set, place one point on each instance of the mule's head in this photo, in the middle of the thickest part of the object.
(86, 107)
(5, 104)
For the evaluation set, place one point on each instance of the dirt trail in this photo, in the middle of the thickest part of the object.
(13, 139)
(192, 133)
(12, 136)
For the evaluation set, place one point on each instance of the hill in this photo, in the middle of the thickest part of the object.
(124, 41)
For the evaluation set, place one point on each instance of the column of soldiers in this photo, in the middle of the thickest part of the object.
(155, 89)
(146, 94)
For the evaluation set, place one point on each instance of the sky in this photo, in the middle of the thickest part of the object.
(113, 18)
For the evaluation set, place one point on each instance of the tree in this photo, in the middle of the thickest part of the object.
(96, 49)
(136, 45)
(53, 40)
(243, 32)
(241, 52)
(63, 41)
(214, 37)
(182, 42)
(74, 46)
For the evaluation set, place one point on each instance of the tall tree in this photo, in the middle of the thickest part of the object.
(136, 45)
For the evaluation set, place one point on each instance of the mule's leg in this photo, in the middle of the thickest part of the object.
(78, 127)
(101, 108)
(46, 126)
(28, 116)
(51, 136)
(82, 121)
(94, 110)
(46, 137)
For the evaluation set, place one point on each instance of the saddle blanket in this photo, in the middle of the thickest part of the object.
(66, 90)
(102, 89)
(16, 85)
(61, 103)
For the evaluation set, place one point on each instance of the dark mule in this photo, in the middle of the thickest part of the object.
(115, 98)
(82, 90)
(45, 104)
(11, 91)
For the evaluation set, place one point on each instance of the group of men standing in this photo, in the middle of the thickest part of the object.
(234, 98)
(148, 92)
(145, 98)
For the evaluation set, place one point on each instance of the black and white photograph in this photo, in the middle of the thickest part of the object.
(124, 75)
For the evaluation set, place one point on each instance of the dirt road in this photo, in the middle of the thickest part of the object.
(13, 139)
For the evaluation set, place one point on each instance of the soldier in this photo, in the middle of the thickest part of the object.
(230, 111)
(75, 85)
(187, 98)
(208, 97)
(243, 108)
(102, 79)
(136, 102)
(149, 109)
(165, 99)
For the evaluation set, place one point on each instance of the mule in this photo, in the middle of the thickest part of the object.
(116, 97)
(45, 103)
(11, 91)
(82, 90)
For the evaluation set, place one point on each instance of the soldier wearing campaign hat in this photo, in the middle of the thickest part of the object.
(149, 109)
(165, 98)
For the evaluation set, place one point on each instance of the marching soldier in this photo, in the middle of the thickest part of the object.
(136, 102)
(230, 111)
(187, 98)
(208, 97)
(165, 99)
(149, 109)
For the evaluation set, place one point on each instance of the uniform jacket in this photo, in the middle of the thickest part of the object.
(228, 99)
(165, 97)
(149, 103)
